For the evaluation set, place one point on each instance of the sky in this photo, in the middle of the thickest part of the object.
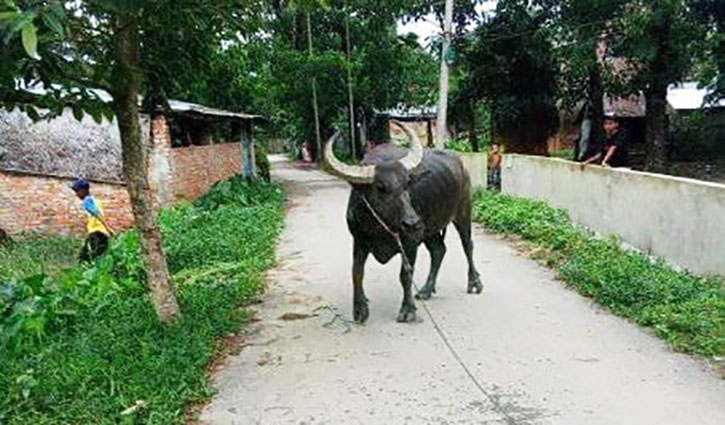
(430, 26)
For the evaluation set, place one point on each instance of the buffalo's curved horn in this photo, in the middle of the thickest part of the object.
(353, 173)
(415, 155)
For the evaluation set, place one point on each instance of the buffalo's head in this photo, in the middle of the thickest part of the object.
(385, 186)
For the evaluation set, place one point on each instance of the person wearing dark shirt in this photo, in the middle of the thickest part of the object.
(613, 146)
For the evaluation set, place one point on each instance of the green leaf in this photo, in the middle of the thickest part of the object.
(78, 112)
(30, 40)
(96, 114)
(52, 21)
(6, 16)
(108, 113)
(32, 113)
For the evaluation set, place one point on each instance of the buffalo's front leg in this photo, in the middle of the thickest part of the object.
(360, 310)
(407, 310)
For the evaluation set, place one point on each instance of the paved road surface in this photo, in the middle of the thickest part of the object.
(538, 353)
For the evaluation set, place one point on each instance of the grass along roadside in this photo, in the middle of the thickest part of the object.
(686, 310)
(83, 345)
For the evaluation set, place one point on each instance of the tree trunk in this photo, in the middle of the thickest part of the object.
(441, 127)
(126, 87)
(596, 99)
(472, 131)
(656, 94)
(318, 139)
(351, 105)
(656, 124)
(294, 30)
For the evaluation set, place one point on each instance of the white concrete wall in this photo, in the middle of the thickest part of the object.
(477, 166)
(681, 220)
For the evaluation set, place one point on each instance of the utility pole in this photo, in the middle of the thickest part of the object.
(318, 141)
(441, 128)
(349, 85)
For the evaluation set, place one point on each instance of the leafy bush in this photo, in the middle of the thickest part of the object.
(687, 311)
(239, 192)
(262, 161)
(459, 145)
(83, 344)
(563, 154)
(37, 254)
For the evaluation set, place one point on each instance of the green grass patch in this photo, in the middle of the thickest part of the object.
(30, 255)
(686, 310)
(82, 344)
(563, 154)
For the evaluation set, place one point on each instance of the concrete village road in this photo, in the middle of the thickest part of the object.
(537, 352)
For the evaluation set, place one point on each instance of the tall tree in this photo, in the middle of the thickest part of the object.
(582, 32)
(512, 67)
(711, 14)
(660, 40)
(126, 48)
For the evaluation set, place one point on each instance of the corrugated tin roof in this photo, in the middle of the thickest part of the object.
(178, 106)
(402, 112)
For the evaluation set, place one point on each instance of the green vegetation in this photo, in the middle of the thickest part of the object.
(687, 311)
(38, 254)
(564, 154)
(459, 145)
(83, 344)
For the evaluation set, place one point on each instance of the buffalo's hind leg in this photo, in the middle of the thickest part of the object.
(437, 248)
(407, 310)
(360, 310)
(462, 221)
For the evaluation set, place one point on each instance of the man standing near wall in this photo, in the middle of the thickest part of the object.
(613, 151)
(98, 231)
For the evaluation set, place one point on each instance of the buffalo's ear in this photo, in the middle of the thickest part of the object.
(418, 175)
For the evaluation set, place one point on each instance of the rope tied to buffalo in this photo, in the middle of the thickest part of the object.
(408, 267)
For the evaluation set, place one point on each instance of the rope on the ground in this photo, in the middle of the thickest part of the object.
(409, 268)
(336, 317)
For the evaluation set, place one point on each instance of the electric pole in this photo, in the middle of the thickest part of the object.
(441, 127)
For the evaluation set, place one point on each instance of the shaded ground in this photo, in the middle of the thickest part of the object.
(537, 353)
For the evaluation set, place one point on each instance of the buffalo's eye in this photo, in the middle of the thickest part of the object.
(380, 187)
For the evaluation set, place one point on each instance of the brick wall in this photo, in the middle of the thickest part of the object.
(195, 169)
(187, 173)
(39, 203)
(44, 204)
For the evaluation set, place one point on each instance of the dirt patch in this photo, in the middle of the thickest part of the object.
(291, 316)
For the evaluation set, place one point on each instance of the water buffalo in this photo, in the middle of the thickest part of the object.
(399, 200)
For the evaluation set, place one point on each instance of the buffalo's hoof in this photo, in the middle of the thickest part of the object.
(475, 286)
(406, 315)
(360, 311)
(425, 293)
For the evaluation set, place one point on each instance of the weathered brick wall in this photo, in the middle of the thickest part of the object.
(195, 169)
(44, 204)
(187, 173)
